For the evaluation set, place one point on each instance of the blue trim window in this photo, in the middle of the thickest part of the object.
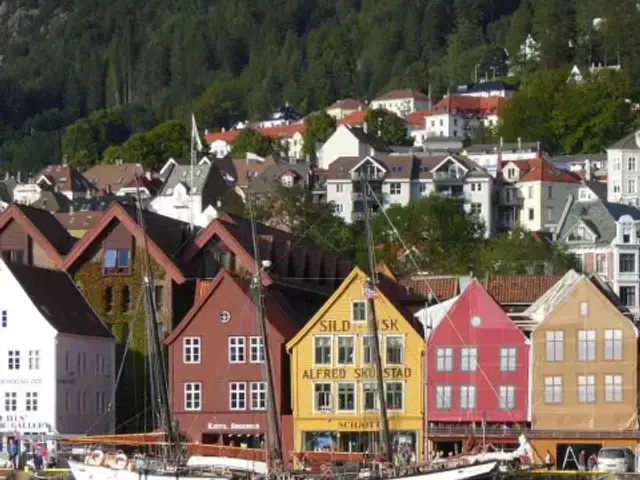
(116, 260)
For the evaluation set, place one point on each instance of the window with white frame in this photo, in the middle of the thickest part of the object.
(530, 192)
(256, 350)
(322, 397)
(322, 350)
(236, 350)
(628, 295)
(584, 309)
(616, 186)
(508, 359)
(613, 344)
(339, 188)
(613, 388)
(394, 395)
(346, 396)
(34, 359)
(601, 263)
(395, 188)
(468, 359)
(14, 360)
(10, 401)
(3, 319)
(553, 389)
(346, 350)
(339, 208)
(191, 350)
(467, 397)
(258, 395)
(192, 396)
(627, 263)
(586, 345)
(550, 192)
(507, 397)
(555, 346)
(359, 311)
(237, 396)
(423, 187)
(443, 397)
(31, 401)
(394, 346)
(616, 164)
(444, 356)
(368, 350)
(586, 388)
(370, 396)
(476, 209)
(631, 164)
(632, 186)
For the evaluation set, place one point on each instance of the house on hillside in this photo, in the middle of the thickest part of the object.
(59, 374)
(397, 179)
(64, 179)
(485, 89)
(349, 141)
(402, 102)
(604, 237)
(341, 108)
(109, 178)
(623, 170)
(489, 155)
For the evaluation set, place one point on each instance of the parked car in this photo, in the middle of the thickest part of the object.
(616, 459)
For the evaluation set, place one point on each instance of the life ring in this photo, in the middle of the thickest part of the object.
(96, 457)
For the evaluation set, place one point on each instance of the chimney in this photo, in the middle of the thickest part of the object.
(365, 127)
(19, 176)
(88, 193)
(372, 151)
(587, 170)
(519, 143)
(206, 131)
(71, 208)
(6, 175)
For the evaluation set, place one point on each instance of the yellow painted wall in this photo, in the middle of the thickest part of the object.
(334, 320)
(570, 414)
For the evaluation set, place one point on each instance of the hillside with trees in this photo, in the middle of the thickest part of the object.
(79, 76)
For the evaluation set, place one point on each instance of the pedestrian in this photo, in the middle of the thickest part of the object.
(549, 460)
(592, 462)
(13, 452)
(582, 461)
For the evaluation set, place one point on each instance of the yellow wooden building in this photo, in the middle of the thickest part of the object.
(333, 374)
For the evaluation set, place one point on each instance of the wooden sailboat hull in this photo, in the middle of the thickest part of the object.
(468, 472)
(81, 471)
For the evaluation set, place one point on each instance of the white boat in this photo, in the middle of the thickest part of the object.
(82, 471)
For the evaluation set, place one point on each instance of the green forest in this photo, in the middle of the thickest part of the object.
(78, 77)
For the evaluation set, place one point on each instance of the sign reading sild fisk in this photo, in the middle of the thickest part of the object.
(384, 325)
(21, 423)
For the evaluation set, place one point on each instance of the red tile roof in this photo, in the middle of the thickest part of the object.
(540, 170)
(283, 131)
(416, 119)
(443, 288)
(78, 220)
(65, 178)
(519, 288)
(354, 118)
(476, 105)
(112, 177)
(347, 104)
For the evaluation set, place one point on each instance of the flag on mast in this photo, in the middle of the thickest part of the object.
(194, 132)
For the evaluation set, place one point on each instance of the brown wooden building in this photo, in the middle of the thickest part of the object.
(33, 237)
(217, 369)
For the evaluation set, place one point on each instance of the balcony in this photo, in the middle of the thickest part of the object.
(370, 176)
(448, 176)
(514, 199)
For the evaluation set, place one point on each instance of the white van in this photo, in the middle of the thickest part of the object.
(616, 459)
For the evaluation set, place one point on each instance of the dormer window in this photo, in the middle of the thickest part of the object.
(116, 260)
(580, 233)
(511, 173)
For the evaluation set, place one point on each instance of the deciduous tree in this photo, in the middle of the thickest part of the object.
(388, 127)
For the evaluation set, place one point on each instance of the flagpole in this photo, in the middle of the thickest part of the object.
(191, 166)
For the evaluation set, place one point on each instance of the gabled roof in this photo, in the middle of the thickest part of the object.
(43, 227)
(629, 142)
(475, 301)
(354, 118)
(369, 159)
(282, 131)
(58, 299)
(240, 169)
(268, 178)
(347, 104)
(540, 170)
(480, 106)
(112, 177)
(64, 177)
(296, 262)
(443, 288)
(165, 236)
(368, 138)
(598, 215)
(401, 94)
(275, 313)
(177, 173)
(416, 119)
(388, 290)
(51, 201)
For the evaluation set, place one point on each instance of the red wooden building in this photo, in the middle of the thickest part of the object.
(477, 369)
(216, 364)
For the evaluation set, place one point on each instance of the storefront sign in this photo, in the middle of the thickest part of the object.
(368, 373)
(359, 425)
(21, 423)
(233, 426)
(20, 381)
(328, 326)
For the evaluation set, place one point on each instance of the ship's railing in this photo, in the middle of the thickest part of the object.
(463, 431)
